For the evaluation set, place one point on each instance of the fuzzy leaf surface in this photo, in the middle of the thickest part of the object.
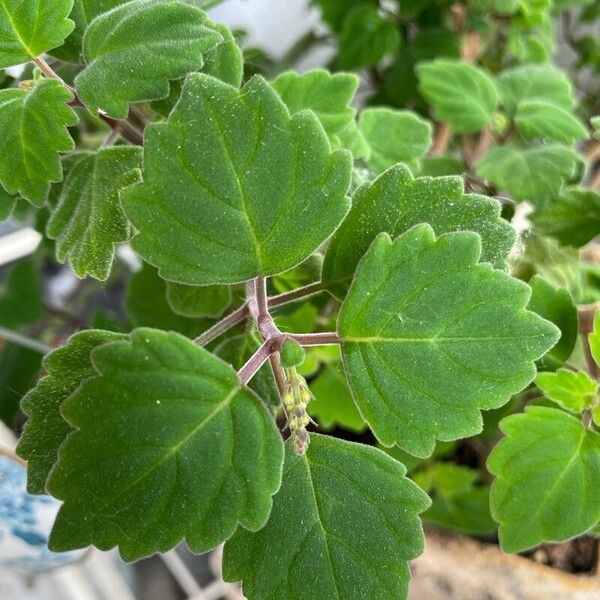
(163, 40)
(199, 456)
(34, 130)
(539, 118)
(234, 187)
(344, 525)
(395, 202)
(547, 465)
(572, 390)
(46, 429)
(29, 28)
(430, 337)
(462, 95)
(88, 221)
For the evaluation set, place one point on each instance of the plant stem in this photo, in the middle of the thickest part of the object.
(327, 338)
(297, 294)
(231, 320)
(25, 342)
(256, 361)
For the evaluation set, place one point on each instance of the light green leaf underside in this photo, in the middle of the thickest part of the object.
(327, 94)
(343, 525)
(21, 296)
(46, 429)
(34, 130)
(395, 202)
(204, 301)
(88, 221)
(197, 455)
(164, 40)
(539, 118)
(547, 472)
(462, 95)
(430, 338)
(532, 174)
(234, 187)
(572, 390)
(29, 28)
(394, 136)
(573, 218)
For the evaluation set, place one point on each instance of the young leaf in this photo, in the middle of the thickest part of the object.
(21, 296)
(547, 472)
(34, 130)
(193, 301)
(31, 27)
(327, 95)
(461, 94)
(532, 174)
(394, 202)
(344, 525)
(197, 455)
(556, 306)
(539, 118)
(573, 218)
(88, 221)
(234, 187)
(365, 38)
(134, 50)
(430, 337)
(46, 429)
(394, 136)
(574, 391)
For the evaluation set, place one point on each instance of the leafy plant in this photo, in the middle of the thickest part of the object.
(364, 260)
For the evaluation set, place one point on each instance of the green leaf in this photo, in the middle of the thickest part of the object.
(573, 218)
(572, 390)
(528, 82)
(547, 472)
(327, 95)
(366, 38)
(430, 338)
(21, 296)
(197, 455)
(555, 305)
(343, 525)
(542, 119)
(334, 11)
(532, 174)
(31, 28)
(134, 50)
(7, 204)
(594, 338)
(34, 130)
(147, 305)
(88, 221)
(234, 187)
(226, 60)
(46, 429)
(595, 122)
(394, 136)
(18, 369)
(193, 301)
(394, 202)
(333, 405)
(462, 95)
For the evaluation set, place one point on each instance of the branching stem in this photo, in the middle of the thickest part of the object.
(326, 338)
(256, 361)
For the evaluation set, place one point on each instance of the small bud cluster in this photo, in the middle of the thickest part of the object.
(295, 400)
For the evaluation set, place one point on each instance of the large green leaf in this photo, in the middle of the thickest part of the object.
(461, 94)
(134, 50)
(88, 221)
(34, 130)
(430, 337)
(573, 218)
(21, 296)
(394, 136)
(572, 390)
(538, 118)
(327, 95)
(29, 28)
(394, 202)
(198, 301)
(343, 525)
(46, 429)
(169, 444)
(547, 472)
(234, 187)
(532, 174)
